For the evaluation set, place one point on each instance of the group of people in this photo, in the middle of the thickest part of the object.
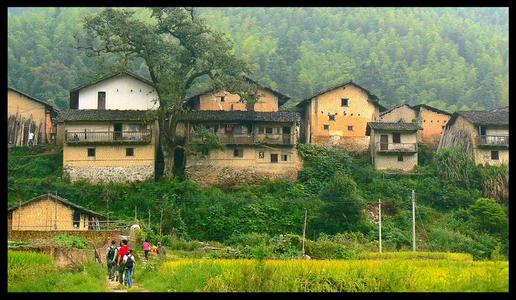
(121, 261)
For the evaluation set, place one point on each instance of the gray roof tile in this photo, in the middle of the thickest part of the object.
(220, 115)
(494, 117)
(101, 115)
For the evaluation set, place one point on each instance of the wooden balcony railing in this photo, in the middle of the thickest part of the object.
(248, 139)
(396, 147)
(493, 140)
(88, 137)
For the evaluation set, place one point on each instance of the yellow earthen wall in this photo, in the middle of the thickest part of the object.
(403, 113)
(387, 161)
(266, 102)
(25, 107)
(432, 124)
(357, 114)
(43, 215)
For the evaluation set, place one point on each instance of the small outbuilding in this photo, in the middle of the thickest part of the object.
(50, 212)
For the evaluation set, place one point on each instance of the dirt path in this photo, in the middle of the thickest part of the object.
(116, 287)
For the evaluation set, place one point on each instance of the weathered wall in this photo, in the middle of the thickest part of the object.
(383, 161)
(483, 156)
(122, 92)
(63, 257)
(23, 113)
(403, 113)
(433, 125)
(46, 214)
(221, 168)
(266, 102)
(17, 103)
(358, 112)
(109, 173)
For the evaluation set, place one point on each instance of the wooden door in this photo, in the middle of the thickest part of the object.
(384, 142)
(102, 100)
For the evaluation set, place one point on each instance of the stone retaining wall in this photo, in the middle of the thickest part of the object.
(234, 177)
(95, 238)
(350, 144)
(105, 174)
(61, 256)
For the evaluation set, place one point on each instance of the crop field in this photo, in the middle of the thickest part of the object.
(456, 274)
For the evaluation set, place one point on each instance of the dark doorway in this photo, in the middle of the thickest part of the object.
(482, 130)
(117, 128)
(76, 219)
(179, 163)
(384, 142)
(101, 100)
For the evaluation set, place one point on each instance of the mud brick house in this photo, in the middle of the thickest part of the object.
(50, 212)
(109, 133)
(482, 134)
(431, 120)
(393, 145)
(27, 114)
(259, 144)
(338, 116)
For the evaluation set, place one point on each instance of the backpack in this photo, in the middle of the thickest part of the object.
(129, 262)
(111, 253)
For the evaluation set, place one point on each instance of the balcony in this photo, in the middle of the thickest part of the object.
(493, 141)
(249, 139)
(108, 137)
(396, 147)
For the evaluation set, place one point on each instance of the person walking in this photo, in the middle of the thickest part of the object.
(161, 251)
(111, 260)
(129, 267)
(121, 265)
(146, 249)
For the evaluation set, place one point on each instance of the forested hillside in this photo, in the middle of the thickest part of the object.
(450, 58)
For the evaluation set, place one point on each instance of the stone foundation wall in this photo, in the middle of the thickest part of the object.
(351, 144)
(235, 177)
(105, 174)
(95, 238)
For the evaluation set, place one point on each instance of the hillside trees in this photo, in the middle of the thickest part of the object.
(178, 49)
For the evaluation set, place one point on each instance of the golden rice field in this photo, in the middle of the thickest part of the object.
(456, 274)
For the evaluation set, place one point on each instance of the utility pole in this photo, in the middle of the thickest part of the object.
(304, 232)
(135, 214)
(413, 221)
(149, 218)
(380, 224)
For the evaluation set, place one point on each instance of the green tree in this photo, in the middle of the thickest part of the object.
(488, 215)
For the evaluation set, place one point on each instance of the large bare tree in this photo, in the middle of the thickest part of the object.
(178, 48)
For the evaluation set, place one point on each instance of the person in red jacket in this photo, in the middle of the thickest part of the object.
(121, 265)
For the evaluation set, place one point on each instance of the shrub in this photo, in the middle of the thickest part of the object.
(495, 182)
(65, 240)
(488, 216)
(455, 165)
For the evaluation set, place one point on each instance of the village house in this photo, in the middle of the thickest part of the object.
(338, 116)
(259, 144)
(109, 133)
(431, 120)
(49, 212)
(393, 145)
(26, 114)
(482, 134)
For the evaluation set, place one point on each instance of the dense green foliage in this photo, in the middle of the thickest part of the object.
(450, 58)
(339, 192)
(66, 240)
(35, 272)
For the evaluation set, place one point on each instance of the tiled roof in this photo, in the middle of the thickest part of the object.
(494, 117)
(393, 108)
(101, 115)
(394, 126)
(220, 115)
(32, 98)
(431, 108)
(111, 76)
(60, 199)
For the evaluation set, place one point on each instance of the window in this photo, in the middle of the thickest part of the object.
(238, 152)
(331, 117)
(350, 128)
(101, 100)
(482, 130)
(396, 138)
(431, 121)
(268, 130)
(352, 114)
(286, 130)
(284, 157)
(344, 102)
(326, 127)
(91, 152)
(274, 158)
(129, 151)
(400, 157)
(261, 130)
(222, 98)
(76, 218)
(261, 154)
(495, 155)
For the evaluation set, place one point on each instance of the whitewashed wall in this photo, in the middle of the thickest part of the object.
(119, 94)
